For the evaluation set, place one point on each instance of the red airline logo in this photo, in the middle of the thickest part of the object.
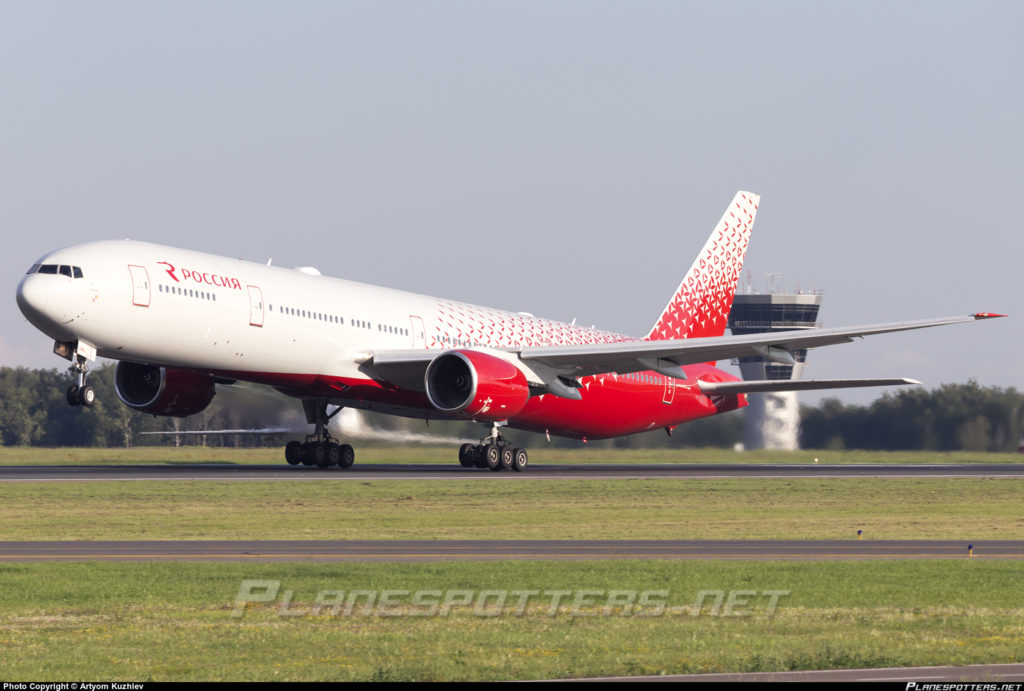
(201, 277)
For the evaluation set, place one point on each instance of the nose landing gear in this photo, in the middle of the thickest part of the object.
(78, 394)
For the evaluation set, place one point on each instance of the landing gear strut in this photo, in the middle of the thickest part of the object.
(79, 394)
(320, 448)
(493, 452)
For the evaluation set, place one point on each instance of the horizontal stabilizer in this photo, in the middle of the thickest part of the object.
(772, 385)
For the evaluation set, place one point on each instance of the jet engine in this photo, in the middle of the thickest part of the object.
(162, 390)
(476, 385)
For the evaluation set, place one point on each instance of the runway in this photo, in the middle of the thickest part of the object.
(982, 674)
(502, 550)
(380, 471)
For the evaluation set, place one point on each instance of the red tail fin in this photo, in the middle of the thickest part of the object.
(701, 304)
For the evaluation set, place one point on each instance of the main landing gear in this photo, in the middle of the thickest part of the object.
(320, 448)
(493, 452)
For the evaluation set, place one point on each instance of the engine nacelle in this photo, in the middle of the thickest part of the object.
(476, 385)
(161, 390)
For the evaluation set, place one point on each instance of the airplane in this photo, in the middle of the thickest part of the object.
(181, 322)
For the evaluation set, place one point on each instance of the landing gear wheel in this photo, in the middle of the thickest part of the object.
(293, 452)
(320, 451)
(519, 460)
(467, 455)
(73, 398)
(347, 456)
(506, 458)
(492, 456)
(308, 453)
(87, 395)
(333, 454)
(480, 456)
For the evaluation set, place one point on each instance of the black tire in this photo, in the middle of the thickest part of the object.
(333, 454)
(308, 449)
(320, 451)
(492, 456)
(480, 456)
(467, 455)
(293, 452)
(74, 400)
(347, 457)
(87, 396)
(506, 458)
(519, 460)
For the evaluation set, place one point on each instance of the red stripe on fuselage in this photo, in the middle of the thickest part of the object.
(612, 405)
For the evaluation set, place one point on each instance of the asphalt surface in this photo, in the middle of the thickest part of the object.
(502, 550)
(284, 472)
(921, 675)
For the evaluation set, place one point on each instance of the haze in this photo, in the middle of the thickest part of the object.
(563, 158)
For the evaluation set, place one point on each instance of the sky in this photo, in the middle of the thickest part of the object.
(563, 158)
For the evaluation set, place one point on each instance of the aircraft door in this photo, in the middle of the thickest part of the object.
(255, 306)
(419, 332)
(670, 391)
(140, 285)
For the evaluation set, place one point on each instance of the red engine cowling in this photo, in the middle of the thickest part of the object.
(476, 385)
(161, 390)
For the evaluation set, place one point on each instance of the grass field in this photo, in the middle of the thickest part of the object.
(96, 621)
(446, 454)
(490, 508)
(173, 621)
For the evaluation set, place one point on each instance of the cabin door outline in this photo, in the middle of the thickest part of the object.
(255, 306)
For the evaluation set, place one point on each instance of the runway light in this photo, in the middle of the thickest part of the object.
(860, 534)
(970, 550)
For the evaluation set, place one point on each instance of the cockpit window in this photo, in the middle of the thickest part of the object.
(62, 269)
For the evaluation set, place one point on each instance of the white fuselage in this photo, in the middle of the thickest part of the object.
(179, 308)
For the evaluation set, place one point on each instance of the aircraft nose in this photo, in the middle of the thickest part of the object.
(31, 297)
(45, 303)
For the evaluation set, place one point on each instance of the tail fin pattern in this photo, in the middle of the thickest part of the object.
(701, 304)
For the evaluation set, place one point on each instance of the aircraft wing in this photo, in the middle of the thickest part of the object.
(634, 356)
(554, 365)
(775, 385)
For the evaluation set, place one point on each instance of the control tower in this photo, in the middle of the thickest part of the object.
(773, 419)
